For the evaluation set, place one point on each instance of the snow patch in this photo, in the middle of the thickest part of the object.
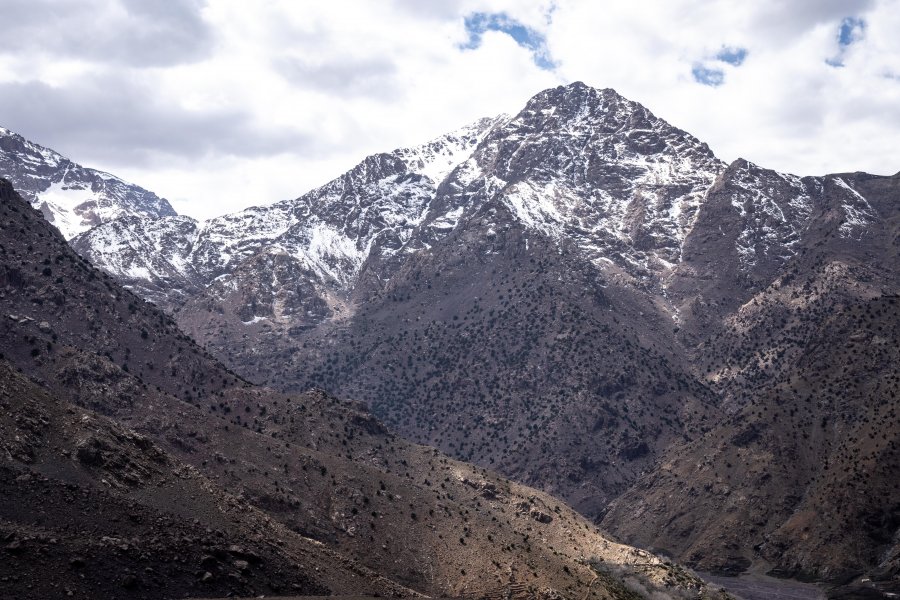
(536, 207)
(439, 157)
(329, 250)
(857, 215)
(70, 208)
(449, 220)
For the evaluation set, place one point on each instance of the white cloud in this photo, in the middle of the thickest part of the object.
(784, 107)
(290, 94)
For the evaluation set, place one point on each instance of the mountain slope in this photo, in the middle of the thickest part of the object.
(801, 468)
(72, 197)
(326, 474)
(92, 509)
(572, 354)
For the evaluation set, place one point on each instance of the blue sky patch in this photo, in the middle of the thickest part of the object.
(526, 37)
(708, 72)
(851, 30)
(732, 55)
(707, 76)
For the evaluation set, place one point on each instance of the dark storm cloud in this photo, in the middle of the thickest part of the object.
(348, 77)
(138, 33)
(122, 124)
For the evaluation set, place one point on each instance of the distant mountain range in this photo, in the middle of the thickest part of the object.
(700, 356)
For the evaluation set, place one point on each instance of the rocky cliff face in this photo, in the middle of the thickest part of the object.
(325, 236)
(578, 165)
(580, 296)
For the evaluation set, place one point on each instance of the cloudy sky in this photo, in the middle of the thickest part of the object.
(221, 104)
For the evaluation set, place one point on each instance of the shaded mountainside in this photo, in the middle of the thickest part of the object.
(802, 469)
(539, 371)
(585, 299)
(72, 197)
(90, 509)
(124, 425)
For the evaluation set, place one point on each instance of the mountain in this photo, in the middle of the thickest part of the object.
(136, 465)
(70, 196)
(299, 271)
(585, 299)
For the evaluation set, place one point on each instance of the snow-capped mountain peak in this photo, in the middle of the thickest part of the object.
(590, 166)
(73, 198)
